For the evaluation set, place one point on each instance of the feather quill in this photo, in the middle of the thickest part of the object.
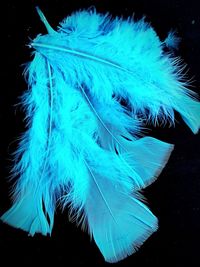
(82, 147)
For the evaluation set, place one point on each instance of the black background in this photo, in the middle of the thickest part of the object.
(174, 197)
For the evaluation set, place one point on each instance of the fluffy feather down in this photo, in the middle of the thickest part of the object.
(129, 58)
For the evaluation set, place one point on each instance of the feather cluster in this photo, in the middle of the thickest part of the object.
(93, 85)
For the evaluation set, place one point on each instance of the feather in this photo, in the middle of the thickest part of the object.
(128, 56)
(83, 148)
(121, 223)
(33, 152)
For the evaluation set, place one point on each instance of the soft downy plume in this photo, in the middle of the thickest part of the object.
(83, 148)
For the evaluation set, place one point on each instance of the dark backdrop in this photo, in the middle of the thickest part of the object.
(174, 197)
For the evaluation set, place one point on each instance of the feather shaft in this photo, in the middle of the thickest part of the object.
(81, 54)
(49, 130)
(100, 191)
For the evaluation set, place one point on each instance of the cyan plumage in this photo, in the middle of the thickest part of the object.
(82, 147)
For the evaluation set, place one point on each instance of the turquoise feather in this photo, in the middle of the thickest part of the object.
(82, 147)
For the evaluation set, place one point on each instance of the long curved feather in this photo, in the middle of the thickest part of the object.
(30, 192)
(148, 155)
(128, 56)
